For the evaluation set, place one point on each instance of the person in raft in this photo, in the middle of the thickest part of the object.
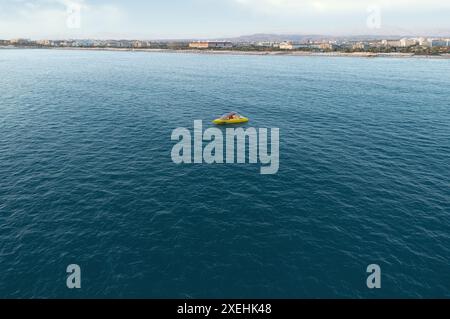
(231, 116)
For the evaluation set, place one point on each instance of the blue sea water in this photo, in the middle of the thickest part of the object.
(86, 176)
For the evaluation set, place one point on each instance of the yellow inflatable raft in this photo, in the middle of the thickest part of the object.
(231, 118)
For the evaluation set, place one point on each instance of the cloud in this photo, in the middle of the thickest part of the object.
(209, 18)
(290, 7)
(350, 16)
(51, 18)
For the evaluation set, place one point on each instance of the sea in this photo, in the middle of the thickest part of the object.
(87, 178)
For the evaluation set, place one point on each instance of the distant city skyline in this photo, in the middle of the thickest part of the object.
(214, 19)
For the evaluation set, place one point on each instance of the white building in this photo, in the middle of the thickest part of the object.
(268, 44)
(391, 43)
(407, 42)
(423, 42)
(292, 46)
(360, 46)
(211, 45)
(44, 42)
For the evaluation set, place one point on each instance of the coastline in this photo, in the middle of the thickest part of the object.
(254, 53)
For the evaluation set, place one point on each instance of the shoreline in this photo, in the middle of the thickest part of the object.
(235, 52)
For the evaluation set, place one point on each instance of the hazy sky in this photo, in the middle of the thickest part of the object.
(152, 19)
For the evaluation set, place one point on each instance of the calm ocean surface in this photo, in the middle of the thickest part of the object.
(86, 176)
